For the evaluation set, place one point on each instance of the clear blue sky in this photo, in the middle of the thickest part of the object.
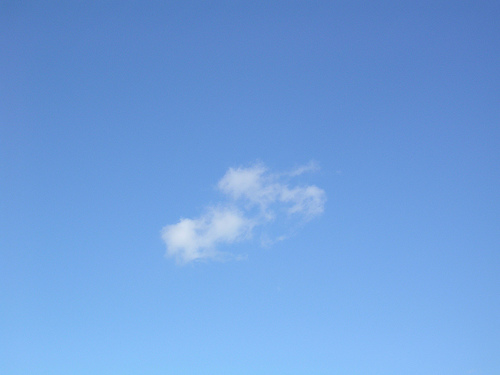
(118, 120)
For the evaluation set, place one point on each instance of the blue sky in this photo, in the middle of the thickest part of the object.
(120, 121)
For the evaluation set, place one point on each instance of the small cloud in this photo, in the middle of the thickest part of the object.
(255, 185)
(195, 239)
(250, 184)
(255, 198)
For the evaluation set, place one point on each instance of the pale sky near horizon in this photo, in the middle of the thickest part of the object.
(247, 187)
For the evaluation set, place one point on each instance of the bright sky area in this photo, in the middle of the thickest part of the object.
(250, 187)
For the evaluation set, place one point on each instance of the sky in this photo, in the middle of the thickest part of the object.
(250, 187)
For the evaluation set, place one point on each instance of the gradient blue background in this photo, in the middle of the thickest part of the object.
(117, 118)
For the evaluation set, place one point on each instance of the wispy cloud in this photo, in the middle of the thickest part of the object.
(312, 166)
(255, 197)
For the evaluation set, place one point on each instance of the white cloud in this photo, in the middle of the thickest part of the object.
(257, 186)
(250, 184)
(256, 197)
(192, 239)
